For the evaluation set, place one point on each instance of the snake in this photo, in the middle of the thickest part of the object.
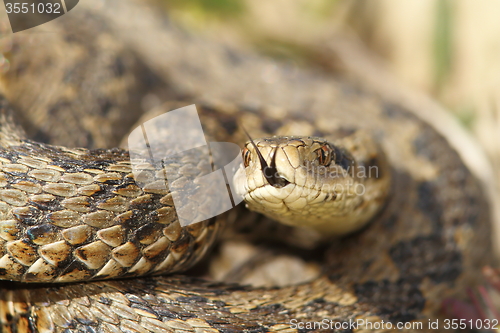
(83, 248)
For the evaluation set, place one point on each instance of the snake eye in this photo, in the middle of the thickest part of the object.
(324, 155)
(246, 157)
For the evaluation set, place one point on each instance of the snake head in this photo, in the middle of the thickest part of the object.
(308, 182)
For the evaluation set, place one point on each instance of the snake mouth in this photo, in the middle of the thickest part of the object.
(270, 172)
(279, 182)
(273, 178)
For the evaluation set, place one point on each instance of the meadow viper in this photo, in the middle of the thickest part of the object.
(72, 213)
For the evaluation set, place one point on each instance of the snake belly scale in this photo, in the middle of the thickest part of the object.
(72, 213)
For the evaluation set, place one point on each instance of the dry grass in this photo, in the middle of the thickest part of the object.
(449, 49)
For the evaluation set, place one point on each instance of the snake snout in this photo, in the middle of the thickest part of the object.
(272, 175)
(274, 178)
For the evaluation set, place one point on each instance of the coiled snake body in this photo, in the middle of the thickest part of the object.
(74, 214)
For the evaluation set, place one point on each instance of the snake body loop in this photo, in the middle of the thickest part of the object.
(76, 213)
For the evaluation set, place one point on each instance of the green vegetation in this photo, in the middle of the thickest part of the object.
(443, 39)
(209, 7)
(466, 116)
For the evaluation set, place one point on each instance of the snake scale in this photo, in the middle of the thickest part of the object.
(94, 72)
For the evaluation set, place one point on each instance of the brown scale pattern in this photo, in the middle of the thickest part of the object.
(67, 221)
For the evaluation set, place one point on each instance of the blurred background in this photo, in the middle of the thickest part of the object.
(448, 49)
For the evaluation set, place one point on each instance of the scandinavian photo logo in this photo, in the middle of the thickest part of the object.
(169, 154)
(26, 14)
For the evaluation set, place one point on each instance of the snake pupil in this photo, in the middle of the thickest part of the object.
(324, 155)
(246, 157)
